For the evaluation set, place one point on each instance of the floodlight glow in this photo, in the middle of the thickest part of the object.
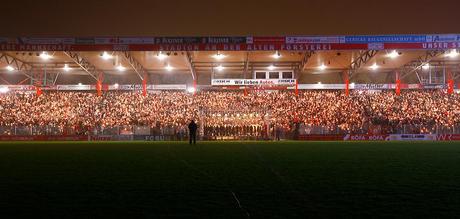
(9, 68)
(66, 67)
(169, 68)
(394, 54)
(121, 68)
(80, 84)
(106, 56)
(322, 67)
(271, 67)
(426, 66)
(374, 66)
(277, 55)
(4, 90)
(191, 90)
(220, 68)
(116, 85)
(319, 82)
(219, 56)
(452, 54)
(45, 56)
(161, 56)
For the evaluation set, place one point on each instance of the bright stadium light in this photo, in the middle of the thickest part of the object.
(80, 84)
(319, 82)
(66, 67)
(452, 54)
(393, 54)
(9, 68)
(271, 67)
(45, 56)
(322, 67)
(220, 68)
(426, 66)
(106, 56)
(219, 56)
(277, 55)
(161, 56)
(4, 90)
(169, 68)
(374, 66)
(116, 85)
(191, 90)
(121, 67)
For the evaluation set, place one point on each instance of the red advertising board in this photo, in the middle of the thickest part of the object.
(43, 138)
(365, 137)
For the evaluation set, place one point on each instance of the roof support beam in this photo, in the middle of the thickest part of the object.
(306, 57)
(84, 64)
(135, 64)
(190, 64)
(416, 65)
(19, 65)
(246, 65)
(363, 58)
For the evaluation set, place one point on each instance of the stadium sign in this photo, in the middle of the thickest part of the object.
(253, 82)
(233, 43)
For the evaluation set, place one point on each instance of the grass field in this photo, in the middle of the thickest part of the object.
(230, 179)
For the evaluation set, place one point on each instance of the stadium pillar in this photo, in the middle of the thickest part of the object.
(450, 82)
(99, 88)
(398, 84)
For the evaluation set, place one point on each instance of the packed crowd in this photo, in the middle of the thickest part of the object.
(232, 110)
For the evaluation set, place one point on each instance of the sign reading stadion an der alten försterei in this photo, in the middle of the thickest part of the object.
(234, 43)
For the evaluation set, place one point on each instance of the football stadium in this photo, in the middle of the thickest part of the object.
(230, 126)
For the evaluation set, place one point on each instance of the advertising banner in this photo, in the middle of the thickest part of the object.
(365, 137)
(252, 82)
(413, 137)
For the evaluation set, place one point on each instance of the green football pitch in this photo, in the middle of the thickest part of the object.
(230, 179)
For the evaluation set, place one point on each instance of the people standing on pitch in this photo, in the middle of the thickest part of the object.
(192, 127)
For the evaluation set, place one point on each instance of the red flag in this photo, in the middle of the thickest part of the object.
(39, 91)
(450, 86)
(296, 88)
(347, 87)
(398, 87)
(99, 88)
(144, 87)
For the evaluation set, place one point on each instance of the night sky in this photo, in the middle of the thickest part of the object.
(235, 17)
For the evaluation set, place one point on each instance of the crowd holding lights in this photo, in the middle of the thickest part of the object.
(219, 110)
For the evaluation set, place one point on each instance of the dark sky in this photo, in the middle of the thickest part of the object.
(231, 17)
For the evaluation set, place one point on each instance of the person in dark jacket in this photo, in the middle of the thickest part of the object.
(192, 127)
